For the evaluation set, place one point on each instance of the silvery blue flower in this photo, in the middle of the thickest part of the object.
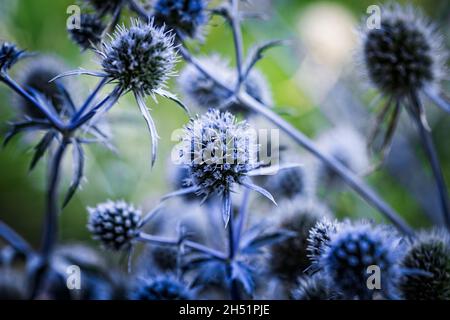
(164, 287)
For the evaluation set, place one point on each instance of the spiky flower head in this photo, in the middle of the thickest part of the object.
(89, 34)
(164, 287)
(352, 251)
(36, 75)
(114, 223)
(315, 287)
(140, 58)
(319, 239)
(428, 262)
(219, 151)
(183, 16)
(289, 259)
(291, 182)
(9, 55)
(203, 92)
(348, 147)
(403, 55)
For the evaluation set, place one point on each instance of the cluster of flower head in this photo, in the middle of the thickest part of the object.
(218, 150)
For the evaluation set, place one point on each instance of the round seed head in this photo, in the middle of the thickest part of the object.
(161, 288)
(89, 35)
(218, 150)
(352, 251)
(405, 54)
(140, 59)
(428, 262)
(184, 16)
(115, 224)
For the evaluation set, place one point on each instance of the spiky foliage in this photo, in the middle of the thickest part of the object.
(355, 248)
(35, 76)
(186, 17)
(315, 287)
(89, 35)
(289, 259)
(201, 91)
(115, 224)
(161, 288)
(140, 58)
(405, 54)
(427, 265)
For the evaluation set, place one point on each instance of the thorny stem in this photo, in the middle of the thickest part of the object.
(431, 153)
(348, 176)
(50, 234)
(14, 86)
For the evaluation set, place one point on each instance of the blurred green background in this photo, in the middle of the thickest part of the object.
(40, 26)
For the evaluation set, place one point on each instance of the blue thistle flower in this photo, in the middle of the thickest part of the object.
(186, 17)
(315, 287)
(220, 153)
(201, 91)
(348, 147)
(289, 259)
(89, 35)
(115, 224)
(9, 55)
(352, 250)
(36, 76)
(139, 59)
(405, 54)
(428, 261)
(164, 287)
(319, 239)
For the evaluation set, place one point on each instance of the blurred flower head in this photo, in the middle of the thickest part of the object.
(164, 287)
(315, 287)
(89, 35)
(186, 17)
(405, 54)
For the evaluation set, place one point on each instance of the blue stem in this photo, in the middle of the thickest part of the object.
(88, 101)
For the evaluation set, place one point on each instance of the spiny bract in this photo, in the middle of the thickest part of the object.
(140, 59)
(218, 150)
(405, 54)
(115, 224)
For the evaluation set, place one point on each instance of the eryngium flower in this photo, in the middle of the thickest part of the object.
(345, 145)
(201, 91)
(315, 287)
(319, 238)
(184, 16)
(352, 251)
(161, 288)
(428, 262)
(289, 259)
(219, 151)
(9, 55)
(139, 59)
(89, 34)
(403, 55)
(115, 224)
(36, 76)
